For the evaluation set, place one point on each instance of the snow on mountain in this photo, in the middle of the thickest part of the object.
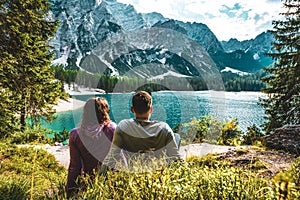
(112, 38)
(235, 71)
(63, 59)
(153, 18)
(169, 73)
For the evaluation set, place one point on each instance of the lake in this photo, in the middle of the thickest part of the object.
(176, 107)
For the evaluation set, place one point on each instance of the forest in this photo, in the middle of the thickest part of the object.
(231, 81)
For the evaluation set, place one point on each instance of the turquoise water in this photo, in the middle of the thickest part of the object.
(177, 107)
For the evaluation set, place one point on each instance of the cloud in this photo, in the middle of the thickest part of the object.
(238, 19)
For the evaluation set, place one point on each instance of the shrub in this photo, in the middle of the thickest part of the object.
(287, 183)
(196, 130)
(208, 129)
(39, 135)
(252, 136)
(230, 134)
(36, 135)
(204, 129)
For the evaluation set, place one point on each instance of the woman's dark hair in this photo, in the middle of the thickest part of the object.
(95, 111)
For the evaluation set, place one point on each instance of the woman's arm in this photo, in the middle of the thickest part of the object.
(75, 165)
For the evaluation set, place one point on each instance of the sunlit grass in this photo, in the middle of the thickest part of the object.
(198, 178)
(28, 172)
(207, 177)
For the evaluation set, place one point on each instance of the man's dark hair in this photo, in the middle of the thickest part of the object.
(141, 102)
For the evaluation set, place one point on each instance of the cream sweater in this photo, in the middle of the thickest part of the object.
(141, 138)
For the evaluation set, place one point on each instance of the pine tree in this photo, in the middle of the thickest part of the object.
(8, 120)
(25, 57)
(282, 105)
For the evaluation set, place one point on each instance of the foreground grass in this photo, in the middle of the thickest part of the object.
(28, 173)
(199, 178)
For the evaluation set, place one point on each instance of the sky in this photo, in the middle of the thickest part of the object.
(239, 19)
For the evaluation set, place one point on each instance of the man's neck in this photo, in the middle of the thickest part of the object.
(142, 117)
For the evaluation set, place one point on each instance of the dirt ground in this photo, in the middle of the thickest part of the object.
(62, 154)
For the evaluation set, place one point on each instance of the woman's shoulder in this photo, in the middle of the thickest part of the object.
(74, 133)
(111, 125)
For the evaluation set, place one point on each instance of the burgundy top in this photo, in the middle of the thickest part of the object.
(88, 148)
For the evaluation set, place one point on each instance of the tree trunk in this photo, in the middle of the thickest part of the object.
(23, 114)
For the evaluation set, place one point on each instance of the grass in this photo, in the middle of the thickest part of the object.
(28, 173)
(195, 179)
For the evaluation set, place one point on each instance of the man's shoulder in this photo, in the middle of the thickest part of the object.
(128, 122)
(161, 124)
(125, 121)
(160, 127)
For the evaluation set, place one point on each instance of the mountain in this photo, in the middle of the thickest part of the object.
(196, 31)
(254, 49)
(112, 38)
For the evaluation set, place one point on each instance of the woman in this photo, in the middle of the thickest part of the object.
(90, 142)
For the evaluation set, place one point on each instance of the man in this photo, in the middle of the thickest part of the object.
(141, 138)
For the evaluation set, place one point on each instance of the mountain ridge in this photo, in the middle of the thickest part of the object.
(85, 25)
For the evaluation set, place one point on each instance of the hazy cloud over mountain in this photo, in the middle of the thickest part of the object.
(240, 19)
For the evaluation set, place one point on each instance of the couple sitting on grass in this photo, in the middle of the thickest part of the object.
(101, 144)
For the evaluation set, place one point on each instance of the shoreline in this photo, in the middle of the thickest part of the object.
(68, 105)
(72, 103)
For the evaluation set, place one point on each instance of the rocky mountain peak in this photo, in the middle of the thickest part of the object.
(86, 25)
